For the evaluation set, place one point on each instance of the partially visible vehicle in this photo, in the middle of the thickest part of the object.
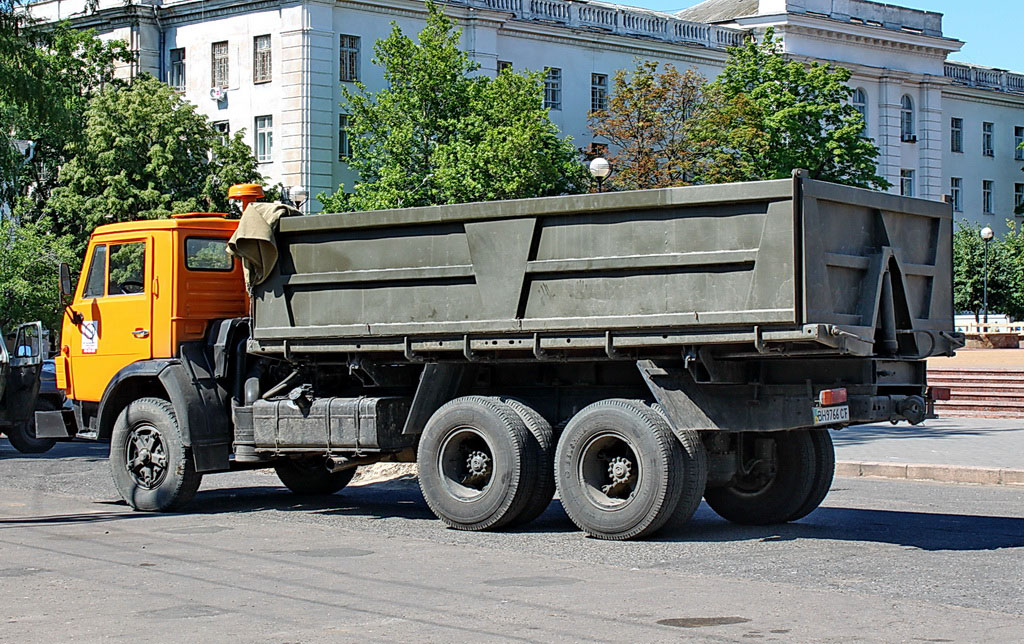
(20, 370)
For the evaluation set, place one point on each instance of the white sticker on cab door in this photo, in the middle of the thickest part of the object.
(90, 336)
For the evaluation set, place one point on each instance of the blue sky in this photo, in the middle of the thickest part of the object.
(992, 29)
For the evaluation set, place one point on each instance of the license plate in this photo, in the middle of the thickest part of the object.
(830, 415)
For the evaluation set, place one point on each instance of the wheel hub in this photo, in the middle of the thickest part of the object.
(620, 471)
(478, 466)
(146, 458)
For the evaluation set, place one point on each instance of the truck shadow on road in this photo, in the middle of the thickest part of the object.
(922, 530)
(85, 452)
(402, 500)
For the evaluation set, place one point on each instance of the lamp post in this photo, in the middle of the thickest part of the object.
(600, 169)
(986, 235)
(298, 195)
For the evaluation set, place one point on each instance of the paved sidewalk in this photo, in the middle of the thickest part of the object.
(955, 450)
(996, 359)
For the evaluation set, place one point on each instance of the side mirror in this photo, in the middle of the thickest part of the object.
(65, 281)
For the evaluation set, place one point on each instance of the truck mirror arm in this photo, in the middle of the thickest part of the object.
(75, 317)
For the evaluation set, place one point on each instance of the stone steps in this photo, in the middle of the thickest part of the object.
(980, 393)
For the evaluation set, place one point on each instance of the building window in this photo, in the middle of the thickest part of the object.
(219, 58)
(553, 88)
(860, 103)
(1018, 195)
(503, 65)
(907, 183)
(349, 62)
(986, 197)
(988, 139)
(956, 192)
(956, 135)
(264, 138)
(1018, 143)
(907, 120)
(598, 92)
(224, 130)
(176, 73)
(344, 142)
(261, 60)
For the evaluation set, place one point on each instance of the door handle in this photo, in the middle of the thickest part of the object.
(141, 333)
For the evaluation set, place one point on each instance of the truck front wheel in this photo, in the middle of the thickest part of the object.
(478, 463)
(151, 467)
(623, 474)
(779, 478)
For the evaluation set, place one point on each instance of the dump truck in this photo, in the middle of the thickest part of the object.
(21, 362)
(635, 351)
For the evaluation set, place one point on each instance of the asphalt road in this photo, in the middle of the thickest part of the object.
(881, 561)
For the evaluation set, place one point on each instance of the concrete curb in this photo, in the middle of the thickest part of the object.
(939, 473)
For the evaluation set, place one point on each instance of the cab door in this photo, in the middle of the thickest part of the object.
(115, 302)
(25, 363)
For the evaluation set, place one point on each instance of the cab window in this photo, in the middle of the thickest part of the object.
(207, 254)
(97, 270)
(127, 272)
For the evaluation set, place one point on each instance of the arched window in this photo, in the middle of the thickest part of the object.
(907, 119)
(860, 103)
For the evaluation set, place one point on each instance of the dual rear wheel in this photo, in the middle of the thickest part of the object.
(488, 463)
(620, 469)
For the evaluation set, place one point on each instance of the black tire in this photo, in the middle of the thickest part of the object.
(309, 476)
(621, 473)
(824, 470)
(23, 435)
(773, 498)
(151, 467)
(543, 444)
(476, 468)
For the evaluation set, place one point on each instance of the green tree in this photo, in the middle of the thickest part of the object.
(145, 154)
(645, 121)
(969, 272)
(47, 76)
(439, 133)
(30, 256)
(768, 116)
(1011, 248)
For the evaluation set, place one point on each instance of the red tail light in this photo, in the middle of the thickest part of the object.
(832, 397)
(940, 393)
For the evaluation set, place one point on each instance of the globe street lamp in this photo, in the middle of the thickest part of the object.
(600, 169)
(987, 235)
(299, 195)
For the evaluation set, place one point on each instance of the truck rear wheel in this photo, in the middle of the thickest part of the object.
(621, 472)
(544, 444)
(23, 435)
(310, 477)
(824, 470)
(151, 467)
(477, 468)
(774, 481)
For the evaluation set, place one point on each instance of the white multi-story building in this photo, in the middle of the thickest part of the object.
(275, 68)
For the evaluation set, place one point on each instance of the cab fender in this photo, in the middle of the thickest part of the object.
(188, 384)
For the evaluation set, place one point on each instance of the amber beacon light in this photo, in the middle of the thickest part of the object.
(246, 193)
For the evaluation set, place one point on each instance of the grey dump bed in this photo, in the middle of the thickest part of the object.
(794, 265)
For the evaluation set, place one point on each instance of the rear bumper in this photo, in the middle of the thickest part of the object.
(874, 409)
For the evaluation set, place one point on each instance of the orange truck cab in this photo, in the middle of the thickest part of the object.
(148, 290)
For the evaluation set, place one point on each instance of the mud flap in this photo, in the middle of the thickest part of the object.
(50, 424)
